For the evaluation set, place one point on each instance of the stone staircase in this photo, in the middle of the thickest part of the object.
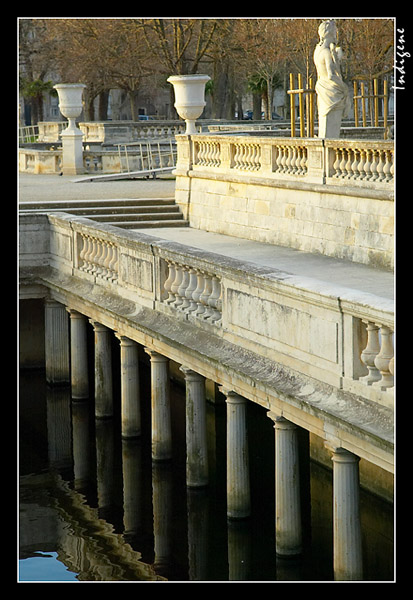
(128, 213)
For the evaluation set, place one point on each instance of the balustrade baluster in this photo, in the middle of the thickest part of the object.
(380, 166)
(293, 167)
(98, 258)
(88, 254)
(214, 314)
(360, 167)
(288, 161)
(387, 166)
(343, 163)
(354, 165)
(336, 164)
(94, 253)
(200, 153)
(174, 283)
(175, 286)
(197, 292)
(217, 155)
(303, 162)
(284, 152)
(82, 252)
(110, 262)
(202, 283)
(367, 165)
(276, 159)
(183, 303)
(370, 352)
(205, 296)
(373, 167)
(168, 282)
(104, 260)
(347, 167)
(190, 290)
(383, 358)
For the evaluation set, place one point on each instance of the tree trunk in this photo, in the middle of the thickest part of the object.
(256, 106)
(103, 106)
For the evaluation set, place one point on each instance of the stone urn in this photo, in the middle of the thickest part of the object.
(189, 98)
(70, 102)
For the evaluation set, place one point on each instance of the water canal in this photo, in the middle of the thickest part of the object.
(93, 507)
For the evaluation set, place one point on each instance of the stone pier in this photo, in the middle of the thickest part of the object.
(56, 343)
(196, 434)
(160, 407)
(130, 399)
(288, 536)
(78, 355)
(238, 477)
(348, 561)
(103, 371)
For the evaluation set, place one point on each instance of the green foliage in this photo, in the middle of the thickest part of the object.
(36, 88)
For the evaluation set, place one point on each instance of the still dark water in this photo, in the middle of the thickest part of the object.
(93, 507)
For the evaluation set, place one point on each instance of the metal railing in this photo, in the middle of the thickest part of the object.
(147, 156)
(29, 133)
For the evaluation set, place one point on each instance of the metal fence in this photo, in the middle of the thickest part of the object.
(147, 156)
(29, 133)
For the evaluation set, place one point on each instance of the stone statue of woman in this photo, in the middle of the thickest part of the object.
(332, 92)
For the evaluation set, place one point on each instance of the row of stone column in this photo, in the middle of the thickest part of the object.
(346, 514)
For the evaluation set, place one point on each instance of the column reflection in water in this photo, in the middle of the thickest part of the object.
(81, 444)
(162, 516)
(104, 464)
(132, 487)
(239, 550)
(197, 507)
(59, 429)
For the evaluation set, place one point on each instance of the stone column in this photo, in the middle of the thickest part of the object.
(56, 343)
(78, 355)
(288, 535)
(103, 371)
(130, 392)
(346, 516)
(160, 407)
(196, 433)
(238, 479)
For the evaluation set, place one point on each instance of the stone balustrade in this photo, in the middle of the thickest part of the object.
(335, 337)
(362, 162)
(194, 292)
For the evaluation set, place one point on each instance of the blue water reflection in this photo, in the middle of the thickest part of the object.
(45, 566)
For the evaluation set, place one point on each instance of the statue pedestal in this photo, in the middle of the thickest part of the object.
(330, 125)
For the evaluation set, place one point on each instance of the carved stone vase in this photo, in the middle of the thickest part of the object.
(189, 98)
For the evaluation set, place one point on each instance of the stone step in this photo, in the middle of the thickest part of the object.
(148, 224)
(124, 212)
(115, 202)
(152, 216)
(108, 210)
